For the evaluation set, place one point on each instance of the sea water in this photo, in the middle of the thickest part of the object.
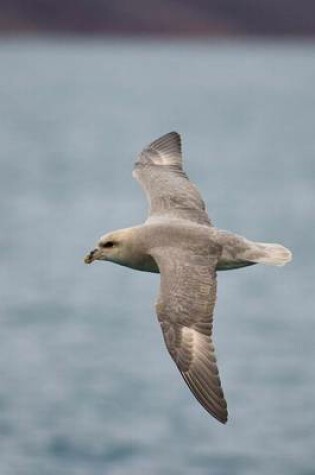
(87, 386)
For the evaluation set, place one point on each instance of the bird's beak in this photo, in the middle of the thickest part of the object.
(92, 256)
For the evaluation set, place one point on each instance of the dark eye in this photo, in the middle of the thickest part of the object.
(107, 244)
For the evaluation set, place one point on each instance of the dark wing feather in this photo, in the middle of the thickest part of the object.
(185, 312)
(168, 189)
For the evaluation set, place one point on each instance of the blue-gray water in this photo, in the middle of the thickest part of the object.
(87, 386)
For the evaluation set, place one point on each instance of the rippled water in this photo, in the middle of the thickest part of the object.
(86, 384)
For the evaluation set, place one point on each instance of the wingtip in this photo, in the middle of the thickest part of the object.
(216, 408)
(221, 417)
(174, 133)
(224, 419)
(169, 140)
(168, 150)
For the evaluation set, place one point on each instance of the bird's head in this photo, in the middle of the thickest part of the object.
(111, 247)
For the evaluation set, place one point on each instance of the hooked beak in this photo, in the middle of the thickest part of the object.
(92, 256)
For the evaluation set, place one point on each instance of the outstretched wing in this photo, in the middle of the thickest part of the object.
(167, 187)
(185, 312)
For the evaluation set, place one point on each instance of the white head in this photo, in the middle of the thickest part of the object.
(113, 247)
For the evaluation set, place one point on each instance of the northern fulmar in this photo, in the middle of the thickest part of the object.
(179, 241)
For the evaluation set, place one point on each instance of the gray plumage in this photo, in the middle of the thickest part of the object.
(179, 242)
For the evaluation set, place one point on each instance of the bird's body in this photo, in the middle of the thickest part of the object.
(179, 242)
(231, 250)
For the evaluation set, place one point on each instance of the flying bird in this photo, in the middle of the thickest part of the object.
(179, 241)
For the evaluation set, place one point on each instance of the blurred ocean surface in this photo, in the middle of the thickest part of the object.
(87, 386)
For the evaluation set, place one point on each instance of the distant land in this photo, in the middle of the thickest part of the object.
(159, 17)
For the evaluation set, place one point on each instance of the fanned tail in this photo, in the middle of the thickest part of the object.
(271, 254)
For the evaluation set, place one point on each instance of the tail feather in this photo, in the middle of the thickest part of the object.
(272, 254)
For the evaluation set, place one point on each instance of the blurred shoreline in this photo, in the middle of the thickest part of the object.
(166, 18)
(68, 37)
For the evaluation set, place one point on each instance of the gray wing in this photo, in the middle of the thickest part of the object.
(185, 312)
(168, 189)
